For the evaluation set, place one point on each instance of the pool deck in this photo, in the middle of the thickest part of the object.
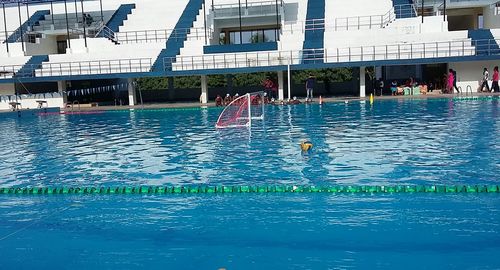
(186, 105)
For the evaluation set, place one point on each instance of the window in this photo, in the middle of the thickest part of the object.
(251, 36)
(247, 37)
(270, 35)
(234, 38)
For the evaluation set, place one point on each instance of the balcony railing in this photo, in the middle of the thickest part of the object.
(403, 51)
(60, 24)
(146, 36)
(342, 23)
(78, 68)
(159, 35)
(262, 8)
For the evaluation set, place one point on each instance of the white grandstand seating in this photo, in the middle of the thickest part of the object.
(195, 42)
(11, 65)
(369, 36)
(154, 14)
(102, 49)
(102, 57)
(355, 8)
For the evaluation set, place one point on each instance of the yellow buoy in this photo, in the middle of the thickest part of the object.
(306, 146)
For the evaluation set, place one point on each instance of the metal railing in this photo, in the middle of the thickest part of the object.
(7, 72)
(59, 24)
(247, 9)
(78, 68)
(95, 67)
(403, 51)
(363, 22)
(342, 23)
(160, 35)
(496, 8)
(405, 11)
(145, 36)
(434, 3)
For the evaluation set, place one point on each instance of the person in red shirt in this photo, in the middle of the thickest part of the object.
(270, 86)
(495, 80)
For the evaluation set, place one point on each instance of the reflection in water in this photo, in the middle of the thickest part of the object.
(389, 142)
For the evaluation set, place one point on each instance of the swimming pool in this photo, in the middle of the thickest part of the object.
(427, 141)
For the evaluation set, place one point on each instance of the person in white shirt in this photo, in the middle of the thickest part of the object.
(486, 76)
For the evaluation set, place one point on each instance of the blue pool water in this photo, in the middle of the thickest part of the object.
(391, 142)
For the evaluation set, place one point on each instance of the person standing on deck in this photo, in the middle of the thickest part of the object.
(495, 87)
(486, 76)
(451, 79)
(310, 87)
(455, 80)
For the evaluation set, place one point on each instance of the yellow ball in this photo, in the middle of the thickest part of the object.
(306, 146)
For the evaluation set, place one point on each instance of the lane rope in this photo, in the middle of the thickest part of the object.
(202, 189)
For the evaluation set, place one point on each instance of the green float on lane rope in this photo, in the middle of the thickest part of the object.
(160, 190)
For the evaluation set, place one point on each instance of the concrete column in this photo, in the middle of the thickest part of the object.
(281, 86)
(132, 100)
(61, 88)
(362, 84)
(204, 89)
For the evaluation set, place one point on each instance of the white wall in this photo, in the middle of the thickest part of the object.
(154, 14)
(354, 8)
(44, 45)
(293, 34)
(54, 100)
(7, 89)
(401, 31)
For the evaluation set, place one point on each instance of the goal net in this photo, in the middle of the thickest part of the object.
(241, 111)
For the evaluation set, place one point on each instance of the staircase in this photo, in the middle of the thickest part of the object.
(314, 40)
(28, 70)
(116, 20)
(404, 9)
(176, 40)
(33, 20)
(484, 42)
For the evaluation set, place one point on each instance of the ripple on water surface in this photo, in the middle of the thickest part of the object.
(391, 142)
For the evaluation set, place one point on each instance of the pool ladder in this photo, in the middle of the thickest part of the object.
(73, 105)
